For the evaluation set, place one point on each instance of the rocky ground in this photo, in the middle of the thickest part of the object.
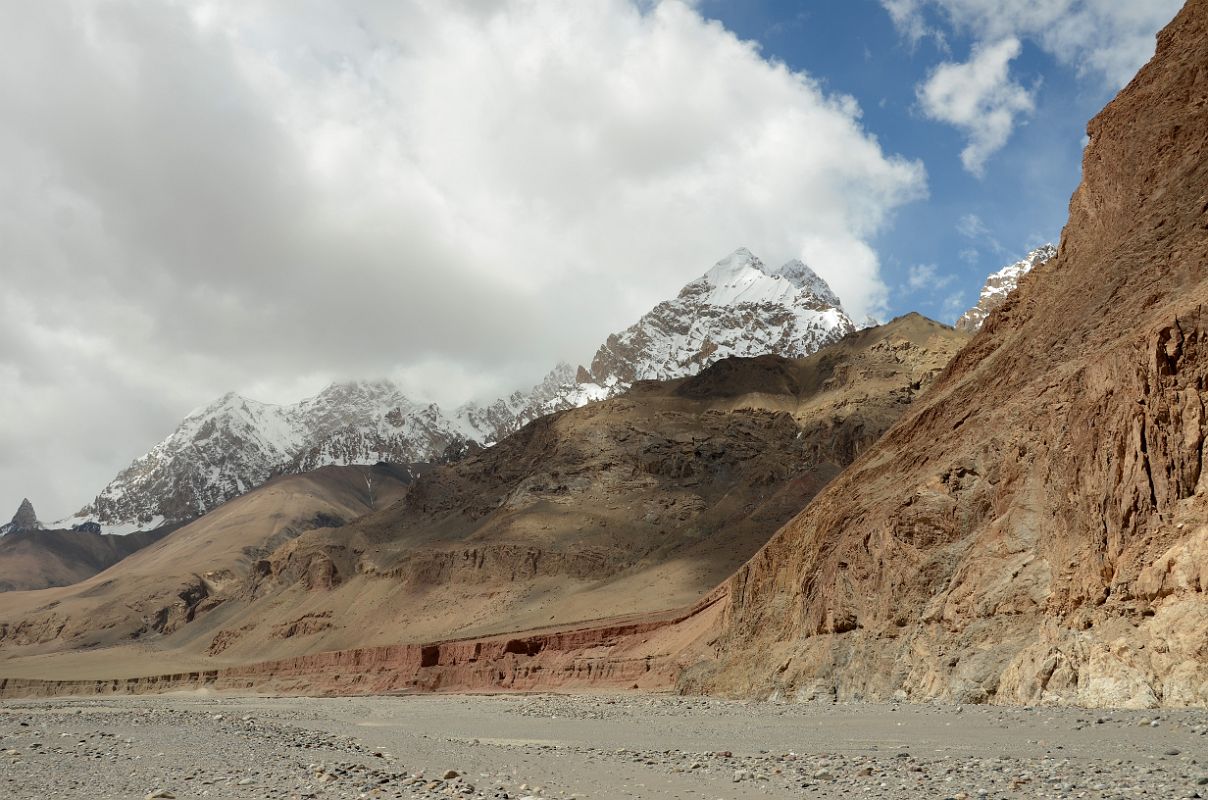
(546, 746)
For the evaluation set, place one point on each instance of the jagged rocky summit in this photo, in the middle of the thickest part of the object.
(24, 520)
(1000, 284)
(740, 307)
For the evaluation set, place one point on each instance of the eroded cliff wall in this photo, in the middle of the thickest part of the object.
(1035, 529)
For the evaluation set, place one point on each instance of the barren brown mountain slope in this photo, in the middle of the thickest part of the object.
(1035, 529)
(638, 504)
(40, 559)
(161, 588)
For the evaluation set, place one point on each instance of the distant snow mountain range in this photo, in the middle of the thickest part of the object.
(740, 307)
(1000, 284)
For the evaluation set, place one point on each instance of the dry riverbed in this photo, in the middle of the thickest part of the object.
(624, 746)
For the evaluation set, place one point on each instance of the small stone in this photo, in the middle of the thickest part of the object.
(160, 794)
(451, 774)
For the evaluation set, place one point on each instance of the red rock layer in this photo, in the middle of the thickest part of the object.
(621, 654)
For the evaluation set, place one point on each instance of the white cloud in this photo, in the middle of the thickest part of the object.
(979, 97)
(1108, 39)
(908, 16)
(207, 196)
(926, 276)
(971, 226)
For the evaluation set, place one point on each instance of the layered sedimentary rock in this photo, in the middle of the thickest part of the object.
(643, 653)
(1035, 529)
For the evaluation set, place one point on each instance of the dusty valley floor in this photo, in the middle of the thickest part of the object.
(623, 746)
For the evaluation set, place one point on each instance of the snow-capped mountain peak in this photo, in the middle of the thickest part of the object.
(1000, 284)
(742, 278)
(801, 276)
(739, 307)
(736, 263)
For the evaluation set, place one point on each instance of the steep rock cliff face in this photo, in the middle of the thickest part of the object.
(1035, 529)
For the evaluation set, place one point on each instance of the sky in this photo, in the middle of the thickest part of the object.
(264, 197)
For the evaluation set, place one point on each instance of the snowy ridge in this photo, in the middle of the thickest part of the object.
(1000, 284)
(236, 444)
(739, 307)
(561, 389)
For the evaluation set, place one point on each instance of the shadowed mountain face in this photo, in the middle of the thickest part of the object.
(39, 559)
(1034, 530)
(636, 504)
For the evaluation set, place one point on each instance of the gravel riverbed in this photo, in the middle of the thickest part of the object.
(510, 747)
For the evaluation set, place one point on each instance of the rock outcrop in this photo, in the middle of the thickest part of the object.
(1035, 529)
(1000, 285)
